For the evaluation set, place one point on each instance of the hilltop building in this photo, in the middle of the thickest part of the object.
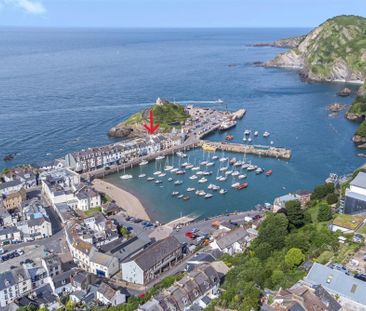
(355, 196)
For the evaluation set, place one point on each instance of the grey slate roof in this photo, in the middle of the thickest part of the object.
(106, 290)
(12, 277)
(359, 180)
(8, 184)
(156, 252)
(337, 282)
(231, 237)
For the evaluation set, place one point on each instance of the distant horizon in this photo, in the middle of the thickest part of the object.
(174, 13)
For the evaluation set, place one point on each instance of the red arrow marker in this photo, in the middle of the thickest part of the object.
(151, 128)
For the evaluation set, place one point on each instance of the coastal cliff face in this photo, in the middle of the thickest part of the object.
(334, 51)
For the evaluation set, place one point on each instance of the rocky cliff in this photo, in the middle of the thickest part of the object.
(334, 51)
(292, 42)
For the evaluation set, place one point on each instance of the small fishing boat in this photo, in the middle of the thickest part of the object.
(170, 179)
(235, 185)
(223, 169)
(168, 168)
(232, 161)
(175, 193)
(247, 132)
(223, 191)
(242, 176)
(207, 173)
(208, 195)
(160, 157)
(199, 173)
(228, 172)
(193, 177)
(158, 181)
(235, 173)
(150, 178)
(202, 180)
(126, 176)
(181, 172)
(162, 175)
(229, 137)
(142, 175)
(251, 168)
(189, 166)
(210, 164)
(223, 159)
(144, 162)
(196, 168)
(180, 196)
(203, 163)
(157, 173)
(269, 173)
(214, 157)
(266, 134)
(173, 170)
(178, 182)
(186, 198)
(256, 133)
(200, 193)
(191, 189)
(215, 188)
(223, 178)
(259, 170)
(242, 186)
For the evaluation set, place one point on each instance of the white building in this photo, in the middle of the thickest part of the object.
(232, 242)
(87, 198)
(109, 296)
(11, 186)
(355, 196)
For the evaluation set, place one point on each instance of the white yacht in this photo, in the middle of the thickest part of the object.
(168, 168)
(214, 157)
(223, 169)
(142, 175)
(235, 173)
(157, 173)
(223, 178)
(234, 185)
(266, 134)
(193, 177)
(210, 164)
(196, 168)
(256, 133)
(208, 195)
(228, 172)
(191, 189)
(126, 176)
(203, 163)
(223, 159)
(150, 178)
(144, 162)
(242, 176)
(162, 175)
(178, 182)
(202, 180)
(160, 157)
(189, 166)
(173, 170)
(223, 191)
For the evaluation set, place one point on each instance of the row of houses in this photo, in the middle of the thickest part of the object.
(100, 157)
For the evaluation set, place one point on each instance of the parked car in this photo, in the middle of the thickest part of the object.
(360, 276)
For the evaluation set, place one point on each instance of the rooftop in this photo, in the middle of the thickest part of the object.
(359, 180)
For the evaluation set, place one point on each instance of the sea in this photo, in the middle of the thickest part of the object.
(62, 89)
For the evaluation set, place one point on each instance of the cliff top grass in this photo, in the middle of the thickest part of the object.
(167, 115)
(361, 131)
(348, 221)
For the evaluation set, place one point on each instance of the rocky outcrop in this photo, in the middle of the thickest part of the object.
(289, 43)
(334, 51)
(345, 92)
(126, 131)
(336, 107)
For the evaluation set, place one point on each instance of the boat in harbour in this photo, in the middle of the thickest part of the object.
(158, 181)
(223, 191)
(195, 168)
(202, 180)
(180, 196)
(223, 178)
(235, 173)
(223, 159)
(162, 175)
(190, 189)
(251, 168)
(144, 162)
(189, 166)
(208, 195)
(142, 175)
(181, 172)
(170, 179)
(210, 164)
(214, 157)
(228, 172)
(168, 168)
(247, 132)
(173, 170)
(126, 176)
(259, 170)
(269, 173)
(242, 186)
(203, 163)
(235, 185)
(256, 133)
(181, 154)
(175, 193)
(227, 125)
(193, 177)
(160, 157)
(150, 178)
(200, 193)
(207, 173)
(178, 182)
(157, 172)
(266, 134)
(186, 198)
(223, 169)
(242, 176)
(232, 161)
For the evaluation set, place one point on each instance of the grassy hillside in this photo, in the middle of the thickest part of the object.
(342, 38)
(167, 115)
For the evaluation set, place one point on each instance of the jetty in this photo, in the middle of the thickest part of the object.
(258, 150)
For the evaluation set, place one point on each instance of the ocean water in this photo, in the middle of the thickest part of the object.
(62, 89)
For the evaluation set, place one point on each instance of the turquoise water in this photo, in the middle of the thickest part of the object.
(61, 90)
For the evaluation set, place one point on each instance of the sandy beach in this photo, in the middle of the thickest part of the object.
(124, 199)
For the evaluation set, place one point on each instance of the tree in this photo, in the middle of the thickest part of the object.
(263, 250)
(251, 297)
(294, 257)
(332, 198)
(70, 305)
(124, 232)
(299, 240)
(273, 231)
(277, 277)
(325, 212)
(295, 214)
(321, 191)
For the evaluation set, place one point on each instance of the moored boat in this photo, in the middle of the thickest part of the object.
(202, 180)
(178, 182)
(223, 191)
(160, 157)
(208, 195)
(175, 193)
(142, 175)
(269, 173)
(266, 134)
(193, 177)
(242, 186)
(150, 178)
(126, 176)
(190, 189)
(144, 162)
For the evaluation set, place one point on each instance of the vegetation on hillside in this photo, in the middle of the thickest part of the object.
(167, 115)
(284, 242)
(361, 131)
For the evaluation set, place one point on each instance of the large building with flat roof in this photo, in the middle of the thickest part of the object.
(355, 197)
